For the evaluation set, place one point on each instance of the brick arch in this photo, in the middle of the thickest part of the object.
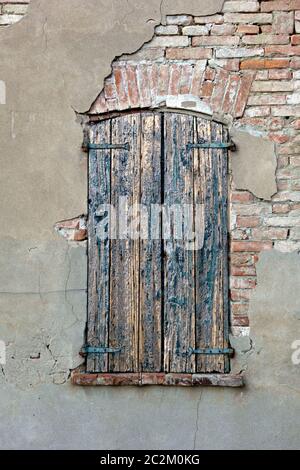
(184, 85)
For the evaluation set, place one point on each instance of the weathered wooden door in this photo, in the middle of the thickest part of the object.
(156, 303)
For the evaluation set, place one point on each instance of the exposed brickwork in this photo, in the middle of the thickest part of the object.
(73, 229)
(242, 64)
(132, 86)
(245, 64)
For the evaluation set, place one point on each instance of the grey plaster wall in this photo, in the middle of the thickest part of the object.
(37, 413)
(53, 62)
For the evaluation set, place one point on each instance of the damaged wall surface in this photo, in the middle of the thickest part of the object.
(53, 64)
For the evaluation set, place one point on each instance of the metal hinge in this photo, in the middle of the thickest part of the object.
(204, 144)
(86, 350)
(210, 352)
(109, 146)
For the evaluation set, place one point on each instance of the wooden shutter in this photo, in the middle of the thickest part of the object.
(154, 299)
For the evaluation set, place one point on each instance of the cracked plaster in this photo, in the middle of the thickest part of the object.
(59, 67)
(254, 163)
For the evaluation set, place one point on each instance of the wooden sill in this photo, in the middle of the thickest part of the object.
(183, 380)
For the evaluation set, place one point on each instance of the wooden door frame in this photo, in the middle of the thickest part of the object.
(80, 377)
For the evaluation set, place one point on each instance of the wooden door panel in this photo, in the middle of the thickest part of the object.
(124, 277)
(158, 299)
(98, 251)
(179, 262)
(212, 260)
(151, 261)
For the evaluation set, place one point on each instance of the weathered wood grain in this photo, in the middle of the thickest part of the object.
(151, 249)
(179, 265)
(156, 299)
(137, 379)
(124, 282)
(211, 261)
(98, 249)
(224, 223)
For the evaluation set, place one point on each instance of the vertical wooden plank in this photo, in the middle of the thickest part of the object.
(204, 260)
(98, 250)
(222, 134)
(179, 300)
(216, 363)
(151, 250)
(211, 261)
(124, 281)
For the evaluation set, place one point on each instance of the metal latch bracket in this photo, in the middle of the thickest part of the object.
(203, 144)
(87, 350)
(209, 352)
(109, 146)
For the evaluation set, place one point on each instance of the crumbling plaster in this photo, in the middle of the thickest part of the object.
(254, 164)
(50, 69)
(275, 324)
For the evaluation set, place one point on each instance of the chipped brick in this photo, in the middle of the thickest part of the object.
(283, 22)
(251, 246)
(262, 39)
(285, 5)
(223, 29)
(215, 40)
(213, 19)
(228, 53)
(193, 53)
(247, 29)
(195, 30)
(264, 64)
(248, 18)
(241, 6)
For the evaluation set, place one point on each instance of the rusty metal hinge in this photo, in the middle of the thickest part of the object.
(109, 146)
(204, 144)
(209, 352)
(86, 350)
